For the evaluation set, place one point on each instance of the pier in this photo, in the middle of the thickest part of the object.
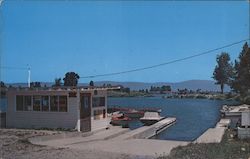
(118, 140)
(214, 135)
(146, 132)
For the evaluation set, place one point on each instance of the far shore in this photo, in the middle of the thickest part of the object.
(211, 96)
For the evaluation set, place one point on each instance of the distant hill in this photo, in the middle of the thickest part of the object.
(190, 84)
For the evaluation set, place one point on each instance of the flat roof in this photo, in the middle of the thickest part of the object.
(63, 88)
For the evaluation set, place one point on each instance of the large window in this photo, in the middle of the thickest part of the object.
(27, 103)
(54, 103)
(63, 103)
(19, 103)
(23, 103)
(36, 103)
(45, 103)
(42, 103)
(98, 101)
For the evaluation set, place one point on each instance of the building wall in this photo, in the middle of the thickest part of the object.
(243, 133)
(245, 118)
(40, 119)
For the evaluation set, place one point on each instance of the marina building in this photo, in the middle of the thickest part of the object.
(83, 109)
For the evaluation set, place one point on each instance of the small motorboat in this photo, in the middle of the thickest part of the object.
(134, 114)
(150, 118)
(151, 110)
(120, 120)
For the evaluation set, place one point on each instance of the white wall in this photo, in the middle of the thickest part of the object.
(245, 118)
(243, 133)
(39, 119)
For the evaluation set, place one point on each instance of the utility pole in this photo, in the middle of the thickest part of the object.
(29, 72)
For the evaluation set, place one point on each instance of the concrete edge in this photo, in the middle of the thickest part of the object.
(35, 140)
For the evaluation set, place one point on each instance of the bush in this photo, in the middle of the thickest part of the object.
(246, 99)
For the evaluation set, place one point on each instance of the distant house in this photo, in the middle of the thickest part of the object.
(83, 109)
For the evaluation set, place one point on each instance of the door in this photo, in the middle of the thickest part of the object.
(85, 112)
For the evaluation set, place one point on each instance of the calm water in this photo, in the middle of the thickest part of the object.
(194, 116)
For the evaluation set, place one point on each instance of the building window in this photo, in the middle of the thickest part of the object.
(45, 103)
(36, 103)
(27, 103)
(63, 103)
(54, 103)
(42, 103)
(98, 101)
(19, 103)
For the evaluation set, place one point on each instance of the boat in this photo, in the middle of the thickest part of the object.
(120, 120)
(150, 110)
(150, 118)
(134, 113)
(234, 110)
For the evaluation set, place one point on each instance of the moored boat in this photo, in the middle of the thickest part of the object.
(150, 118)
(134, 113)
(120, 120)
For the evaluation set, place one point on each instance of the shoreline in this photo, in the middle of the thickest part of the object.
(107, 144)
(99, 145)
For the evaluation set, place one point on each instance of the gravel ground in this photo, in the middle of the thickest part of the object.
(14, 145)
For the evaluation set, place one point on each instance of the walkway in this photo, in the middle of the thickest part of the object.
(214, 135)
(114, 140)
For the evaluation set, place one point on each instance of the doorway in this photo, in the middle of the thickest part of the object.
(85, 112)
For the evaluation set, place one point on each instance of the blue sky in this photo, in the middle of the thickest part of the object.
(54, 37)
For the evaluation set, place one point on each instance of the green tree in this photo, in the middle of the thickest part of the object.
(223, 70)
(35, 84)
(71, 79)
(58, 82)
(241, 78)
(2, 84)
(166, 88)
(91, 83)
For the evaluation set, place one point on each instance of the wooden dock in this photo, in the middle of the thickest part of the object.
(146, 132)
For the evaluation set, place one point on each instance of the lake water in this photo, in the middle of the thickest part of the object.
(194, 116)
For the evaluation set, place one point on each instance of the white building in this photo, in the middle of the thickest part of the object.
(79, 108)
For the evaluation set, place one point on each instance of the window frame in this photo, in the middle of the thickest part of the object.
(40, 105)
(25, 104)
(99, 103)
(22, 99)
(65, 102)
(19, 103)
(48, 103)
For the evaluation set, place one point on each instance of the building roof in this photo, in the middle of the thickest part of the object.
(63, 88)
